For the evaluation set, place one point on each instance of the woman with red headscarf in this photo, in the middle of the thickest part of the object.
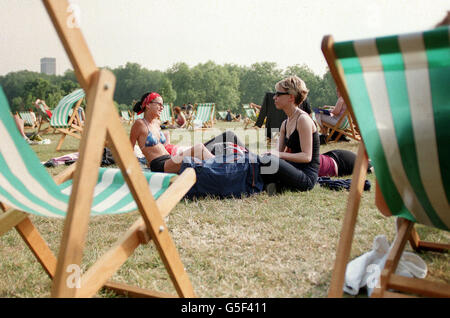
(151, 140)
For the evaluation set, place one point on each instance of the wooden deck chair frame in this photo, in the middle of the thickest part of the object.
(388, 278)
(350, 131)
(72, 128)
(102, 123)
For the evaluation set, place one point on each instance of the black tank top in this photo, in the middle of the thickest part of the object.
(293, 144)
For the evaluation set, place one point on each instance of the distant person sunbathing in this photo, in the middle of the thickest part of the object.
(46, 108)
(331, 114)
(180, 118)
(151, 140)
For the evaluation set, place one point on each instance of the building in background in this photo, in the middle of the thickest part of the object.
(48, 65)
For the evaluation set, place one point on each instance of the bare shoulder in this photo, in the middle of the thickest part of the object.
(138, 125)
(305, 121)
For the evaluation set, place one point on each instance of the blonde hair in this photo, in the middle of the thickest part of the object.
(294, 85)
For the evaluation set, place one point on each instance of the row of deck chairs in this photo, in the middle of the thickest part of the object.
(395, 88)
(203, 116)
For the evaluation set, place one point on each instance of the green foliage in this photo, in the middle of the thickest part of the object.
(229, 85)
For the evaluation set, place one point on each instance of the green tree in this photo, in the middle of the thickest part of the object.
(167, 92)
(258, 79)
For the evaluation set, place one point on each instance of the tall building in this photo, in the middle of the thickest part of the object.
(48, 65)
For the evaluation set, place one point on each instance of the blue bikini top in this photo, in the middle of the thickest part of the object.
(151, 140)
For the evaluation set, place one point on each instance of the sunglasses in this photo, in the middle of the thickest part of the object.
(281, 93)
(157, 103)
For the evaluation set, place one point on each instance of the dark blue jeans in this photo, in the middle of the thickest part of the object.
(286, 174)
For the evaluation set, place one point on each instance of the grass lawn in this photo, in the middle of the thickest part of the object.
(258, 246)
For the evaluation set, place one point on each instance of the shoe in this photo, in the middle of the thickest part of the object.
(271, 189)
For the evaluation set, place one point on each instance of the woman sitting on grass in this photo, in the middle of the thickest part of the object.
(295, 165)
(147, 133)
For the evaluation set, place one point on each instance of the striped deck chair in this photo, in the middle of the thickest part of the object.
(135, 117)
(222, 115)
(65, 118)
(204, 115)
(27, 187)
(344, 127)
(166, 115)
(397, 89)
(250, 117)
(28, 120)
(125, 114)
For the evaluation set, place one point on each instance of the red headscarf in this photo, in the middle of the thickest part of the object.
(150, 97)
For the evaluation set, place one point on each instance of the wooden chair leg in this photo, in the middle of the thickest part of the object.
(418, 245)
(38, 246)
(391, 264)
(348, 227)
(60, 142)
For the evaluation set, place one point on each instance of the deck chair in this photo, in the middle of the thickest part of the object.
(20, 184)
(166, 115)
(65, 118)
(344, 127)
(27, 118)
(250, 116)
(125, 114)
(135, 116)
(203, 116)
(222, 115)
(397, 89)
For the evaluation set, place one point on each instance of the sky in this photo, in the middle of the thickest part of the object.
(160, 33)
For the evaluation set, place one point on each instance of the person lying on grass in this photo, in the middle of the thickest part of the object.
(151, 140)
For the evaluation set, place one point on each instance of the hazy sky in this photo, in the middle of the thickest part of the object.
(159, 33)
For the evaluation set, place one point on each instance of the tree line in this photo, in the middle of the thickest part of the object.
(229, 85)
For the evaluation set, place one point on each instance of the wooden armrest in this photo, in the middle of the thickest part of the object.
(65, 174)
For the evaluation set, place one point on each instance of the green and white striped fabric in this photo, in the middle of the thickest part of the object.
(250, 112)
(26, 185)
(166, 114)
(344, 124)
(136, 116)
(60, 115)
(125, 115)
(222, 115)
(204, 112)
(26, 116)
(399, 91)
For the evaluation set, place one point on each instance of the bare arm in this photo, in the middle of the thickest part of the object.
(338, 108)
(281, 141)
(184, 120)
(135, 132)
